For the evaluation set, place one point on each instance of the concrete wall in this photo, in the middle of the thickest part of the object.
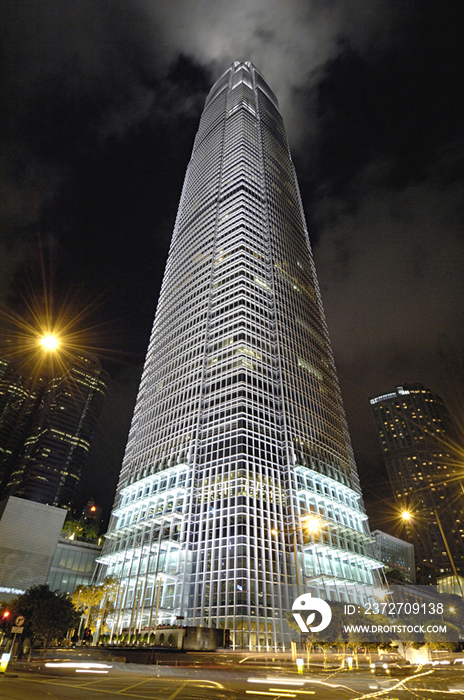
(189, 638)
(29, 534)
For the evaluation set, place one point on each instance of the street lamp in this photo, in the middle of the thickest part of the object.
(314, 525)
(49, 342)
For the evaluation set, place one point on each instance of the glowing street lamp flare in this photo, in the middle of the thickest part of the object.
(312, 524)
(406, 515)
(49, 342)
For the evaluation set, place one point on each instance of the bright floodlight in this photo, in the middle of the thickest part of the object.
(406, 515)
(49, 342)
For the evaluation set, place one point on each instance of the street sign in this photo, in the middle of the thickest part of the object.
(20, 620)
(17, 630)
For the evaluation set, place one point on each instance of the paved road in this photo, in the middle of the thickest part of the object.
(144, 683)
(88, 677)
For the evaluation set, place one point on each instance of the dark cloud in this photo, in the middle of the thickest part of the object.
(291, 42)
(392, 271)
(83, 82)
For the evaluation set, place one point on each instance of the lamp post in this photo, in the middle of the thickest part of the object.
(313, 525)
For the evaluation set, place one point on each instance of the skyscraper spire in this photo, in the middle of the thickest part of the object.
(239, 429)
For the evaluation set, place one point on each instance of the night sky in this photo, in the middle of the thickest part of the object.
(100, 105)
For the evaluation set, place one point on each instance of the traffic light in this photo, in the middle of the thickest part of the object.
(87, 634)
(5, 616)
(344, 634)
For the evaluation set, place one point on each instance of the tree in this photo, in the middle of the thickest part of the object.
(110, 587)
(80, 529)
(96, 601)
(329, 637)
(48, 615)
(442, 640)
(409, 639)
(91, 531)
(85, 598)
(346, 629)
(72, 528)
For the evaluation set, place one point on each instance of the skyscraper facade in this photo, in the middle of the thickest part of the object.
(20, 395)
(57, 441)
(239, 430)
(419, 444)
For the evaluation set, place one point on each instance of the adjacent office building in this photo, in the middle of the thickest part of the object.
(55, 418)
(29, 534)
(419, 445)
(396, 554)
(73, 564)
(239, 430)
(46, 426)
(20, 395)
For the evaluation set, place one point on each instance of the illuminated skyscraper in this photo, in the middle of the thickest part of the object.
(239, 429)
(419, 443)
(57, 440)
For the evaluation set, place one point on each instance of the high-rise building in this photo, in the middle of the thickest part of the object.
(49, 465)
(396, 554)
(20, 395)
(239, 430)
(419, 446)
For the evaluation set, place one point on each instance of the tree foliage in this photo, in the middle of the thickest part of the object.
(96, 601)
(48, 615)
(80, 529)
(442, 640)
(336, 634)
